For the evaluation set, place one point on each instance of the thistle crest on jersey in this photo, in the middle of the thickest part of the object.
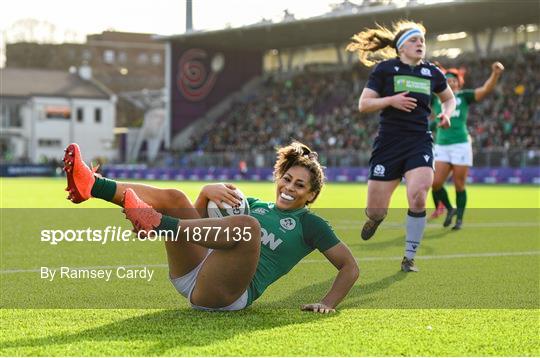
(426, 72)
(378, 170)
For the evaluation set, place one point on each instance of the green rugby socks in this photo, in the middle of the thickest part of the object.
(168, 223)
(441, 195)
(461, 202)
(104, 188)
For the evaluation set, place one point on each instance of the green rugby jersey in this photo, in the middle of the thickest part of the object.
(286, 238)
(457, 133)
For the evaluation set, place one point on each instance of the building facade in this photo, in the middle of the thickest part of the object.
(122, 61)
(42, 111)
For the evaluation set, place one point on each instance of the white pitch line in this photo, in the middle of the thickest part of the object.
(440, 257)
(392, 225)
(363, 218)
(359, 259)
(353, 225)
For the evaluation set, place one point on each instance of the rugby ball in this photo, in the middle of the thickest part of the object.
(215, 212)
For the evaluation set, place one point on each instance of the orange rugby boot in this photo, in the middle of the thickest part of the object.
(80, 178)
(143, 217)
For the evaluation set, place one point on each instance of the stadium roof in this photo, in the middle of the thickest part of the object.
(438, 18)
(24, 82)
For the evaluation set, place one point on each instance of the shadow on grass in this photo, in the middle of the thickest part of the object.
(399, 241)
(360, 295)
(178, 330)
(186, 328)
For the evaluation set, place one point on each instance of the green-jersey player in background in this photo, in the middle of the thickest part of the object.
(453, 147)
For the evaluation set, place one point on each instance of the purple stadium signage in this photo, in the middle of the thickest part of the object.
(476, 175)
(203, 77)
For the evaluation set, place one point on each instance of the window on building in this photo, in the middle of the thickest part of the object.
(156, 59)
(142, 58)
(10, 115)
(57, 112)
(97, 115)
(4, 116)
(122, 57)
(87, 55)
(108, 56)
(50, 143)
(80, 114)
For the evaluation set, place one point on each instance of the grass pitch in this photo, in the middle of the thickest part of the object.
(477, 293)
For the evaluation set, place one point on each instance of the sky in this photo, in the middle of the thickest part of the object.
(60, 21)
(165, 17)
(73, 18)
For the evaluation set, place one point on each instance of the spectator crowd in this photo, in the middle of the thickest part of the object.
(320, 109)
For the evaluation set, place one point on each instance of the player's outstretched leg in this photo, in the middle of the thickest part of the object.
(84, 183)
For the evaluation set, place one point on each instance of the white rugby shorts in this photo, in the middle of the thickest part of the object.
(185, 285)
(456, 154)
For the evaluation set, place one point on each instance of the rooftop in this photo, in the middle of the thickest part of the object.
(19, 82)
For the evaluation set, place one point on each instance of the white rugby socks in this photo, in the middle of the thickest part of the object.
(416, 224)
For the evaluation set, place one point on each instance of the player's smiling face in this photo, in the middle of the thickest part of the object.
(294, 189)
(414, 48)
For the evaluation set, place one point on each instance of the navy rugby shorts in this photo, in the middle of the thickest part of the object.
(394, 155)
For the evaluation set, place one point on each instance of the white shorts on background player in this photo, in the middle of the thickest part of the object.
(456, 154)
(185, 285)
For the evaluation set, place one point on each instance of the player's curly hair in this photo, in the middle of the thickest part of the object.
(298, 154)
(375, 45)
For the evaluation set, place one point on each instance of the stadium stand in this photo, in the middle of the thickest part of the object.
(320, 108)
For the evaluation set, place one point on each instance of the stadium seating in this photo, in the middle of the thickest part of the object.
(319, 108)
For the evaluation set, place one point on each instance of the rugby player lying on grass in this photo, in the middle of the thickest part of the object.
(221, 273)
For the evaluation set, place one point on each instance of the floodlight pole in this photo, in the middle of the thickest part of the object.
(189, 15)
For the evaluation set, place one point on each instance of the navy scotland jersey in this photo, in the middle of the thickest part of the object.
(391, 77)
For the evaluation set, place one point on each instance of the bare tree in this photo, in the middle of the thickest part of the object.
(31, 30)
